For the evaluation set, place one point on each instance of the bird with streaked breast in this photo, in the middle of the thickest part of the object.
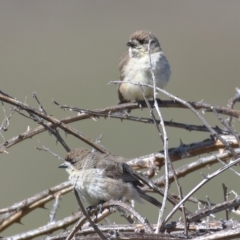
(101, 177)
(136, 67)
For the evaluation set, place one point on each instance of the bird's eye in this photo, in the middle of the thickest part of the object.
(142, 41)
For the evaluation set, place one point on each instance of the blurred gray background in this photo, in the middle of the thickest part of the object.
(70, 50)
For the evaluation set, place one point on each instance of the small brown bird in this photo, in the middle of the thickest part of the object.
(136, 67)
(100, 177)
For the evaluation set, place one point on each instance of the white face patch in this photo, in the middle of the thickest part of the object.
(130, 49)
(130, 52)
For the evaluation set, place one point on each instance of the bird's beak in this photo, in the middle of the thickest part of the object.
(64, 165)
(130, 44)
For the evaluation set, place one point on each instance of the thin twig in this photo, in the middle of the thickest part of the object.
(54, 122)
(53, 213)
(101, 235)
(231, 103)
(226, 124)
(204, 181)
(225, 198)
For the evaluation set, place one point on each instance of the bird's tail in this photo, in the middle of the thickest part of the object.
(148, 198)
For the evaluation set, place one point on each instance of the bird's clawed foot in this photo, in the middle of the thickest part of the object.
(89, 209)
(100, 206)
(141, 103)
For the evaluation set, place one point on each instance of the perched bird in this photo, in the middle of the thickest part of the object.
(136, 67)
(100, 177)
